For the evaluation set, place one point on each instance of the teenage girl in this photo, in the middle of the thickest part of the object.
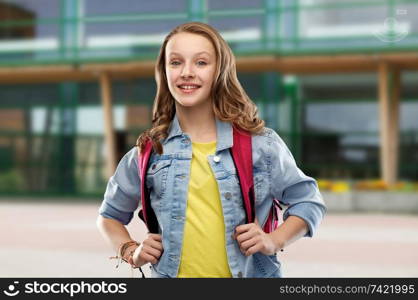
(192, 181)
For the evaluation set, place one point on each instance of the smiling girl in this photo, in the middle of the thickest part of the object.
(193, 185)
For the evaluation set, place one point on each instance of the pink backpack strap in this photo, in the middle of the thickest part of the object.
(242, 155)
(241, 152)
(273, 219)
(146, 213)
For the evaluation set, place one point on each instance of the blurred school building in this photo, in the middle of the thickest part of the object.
(336, 79)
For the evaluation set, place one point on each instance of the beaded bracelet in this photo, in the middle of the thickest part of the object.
(121, 252)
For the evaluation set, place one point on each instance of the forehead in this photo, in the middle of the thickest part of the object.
(189, 44)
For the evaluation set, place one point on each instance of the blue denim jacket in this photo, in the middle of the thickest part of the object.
(275, 176)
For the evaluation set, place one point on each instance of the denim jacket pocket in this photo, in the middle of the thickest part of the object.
(267, 266)
(157, 177)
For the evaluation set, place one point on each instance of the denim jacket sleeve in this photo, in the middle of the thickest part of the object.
(122, 196)
(293, 188)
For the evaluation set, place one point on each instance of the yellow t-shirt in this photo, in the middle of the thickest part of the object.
(204, 249)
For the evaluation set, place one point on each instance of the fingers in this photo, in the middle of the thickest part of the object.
(145, 255)
(148, 258)
(150, 254)
(253, 249)
(149, 251)
(155, 237)
(243, 228)
(158, 245)
(249, 243)
(249, 238)
(251, 246)
(244, 236)
(152, 248)
(246, 227)
(246, 240)
(246, 231)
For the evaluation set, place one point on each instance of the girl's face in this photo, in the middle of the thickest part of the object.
(190, 68)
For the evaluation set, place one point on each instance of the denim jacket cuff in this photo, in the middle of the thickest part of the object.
(110, 212)
(311, 213)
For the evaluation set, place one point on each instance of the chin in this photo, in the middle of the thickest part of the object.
(188, 103)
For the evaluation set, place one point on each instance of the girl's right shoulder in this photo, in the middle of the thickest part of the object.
(129, 160)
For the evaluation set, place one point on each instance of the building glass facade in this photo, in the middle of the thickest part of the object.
(51, 134)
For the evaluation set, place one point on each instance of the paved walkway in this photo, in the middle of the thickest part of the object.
(61, 240)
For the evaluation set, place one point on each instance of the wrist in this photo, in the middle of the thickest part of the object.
(126, 250)
(278, 242)
(128, 254)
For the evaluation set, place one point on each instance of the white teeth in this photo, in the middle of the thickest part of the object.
(188, 87)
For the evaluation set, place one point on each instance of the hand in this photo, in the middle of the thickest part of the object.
(149, 251)
(252, 239)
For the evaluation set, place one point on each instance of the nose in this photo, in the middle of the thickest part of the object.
(187, 71)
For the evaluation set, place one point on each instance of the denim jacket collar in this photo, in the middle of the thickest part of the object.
(224, 137)
(174, 129)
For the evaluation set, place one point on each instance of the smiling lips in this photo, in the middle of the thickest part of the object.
(188, 88)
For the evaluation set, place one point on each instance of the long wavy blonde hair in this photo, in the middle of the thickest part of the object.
(230, 101)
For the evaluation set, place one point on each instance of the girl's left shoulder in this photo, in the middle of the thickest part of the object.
(266, 138)
(270, 144)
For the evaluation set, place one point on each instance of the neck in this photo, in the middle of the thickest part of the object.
(198, 122)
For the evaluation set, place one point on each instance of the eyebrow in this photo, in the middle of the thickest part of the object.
(199, 53)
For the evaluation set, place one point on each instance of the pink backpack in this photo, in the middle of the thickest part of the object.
(241, 153)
